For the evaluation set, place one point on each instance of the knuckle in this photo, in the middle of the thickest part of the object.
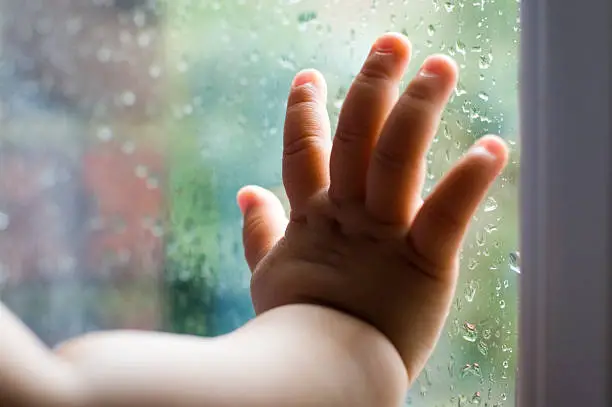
(304, 117)
(392, 160)
(375, 70)
(443, 217)
(305, 143)
(304, 128)
(420, 96)
(348, 135)
(415, 113)
(371, 76)
(302, 94)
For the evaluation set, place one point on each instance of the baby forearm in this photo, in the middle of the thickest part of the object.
(291, 356)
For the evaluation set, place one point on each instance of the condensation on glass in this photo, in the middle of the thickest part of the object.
(127, 126)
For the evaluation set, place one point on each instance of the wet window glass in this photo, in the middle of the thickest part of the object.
(127, 126)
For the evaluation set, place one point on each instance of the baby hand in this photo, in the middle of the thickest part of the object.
(360, 239)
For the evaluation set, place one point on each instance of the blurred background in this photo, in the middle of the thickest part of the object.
(127, 127)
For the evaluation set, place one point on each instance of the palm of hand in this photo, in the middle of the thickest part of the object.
(361, 239)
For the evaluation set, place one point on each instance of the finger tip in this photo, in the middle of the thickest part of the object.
(494, 148)
(253, 195)
(394, 42)
(494, 145)
(247, 196)
(313, 78)
(441, 65)
(308, 76)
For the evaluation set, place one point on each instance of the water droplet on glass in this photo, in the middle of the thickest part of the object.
(287, 63)
(460, 89)
(104, 54)
(141, 171)
(140, 18)
(128, 147)
(307, 16)
(469, 332)
(182, 66)
(481, 238)
(476, 398)
(515, 260)
(431, 30)
(460, 47)
(152, 183)
(490, 228)
(483, 348)
(471, 370)
(74, 26)
(490, 204)
(144, 40)
(483, 96)
(447, 132)
(486, 334)
(484, 62)
(470, 291)
(105, 133)
(155, 71)
(498, 285)
(447, 155)
(458, 304)
(128, 98)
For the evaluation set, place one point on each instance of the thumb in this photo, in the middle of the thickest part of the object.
(264, 222)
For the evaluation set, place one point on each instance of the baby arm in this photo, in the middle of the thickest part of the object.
(30, 374)
(297, 355)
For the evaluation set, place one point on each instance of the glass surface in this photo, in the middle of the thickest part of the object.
(128, 126)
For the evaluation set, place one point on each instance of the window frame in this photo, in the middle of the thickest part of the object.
(566, 203)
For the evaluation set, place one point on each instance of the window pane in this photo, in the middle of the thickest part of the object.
(128, 127)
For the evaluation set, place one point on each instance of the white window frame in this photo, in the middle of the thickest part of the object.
(566, 204)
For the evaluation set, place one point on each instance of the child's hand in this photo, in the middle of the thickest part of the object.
(360, 239)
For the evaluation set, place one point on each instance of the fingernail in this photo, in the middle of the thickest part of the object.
(385, 44)
(432, 68)
(482, 151)
(243, 203)
(424, 72)
(428, 71)
(303, 78)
